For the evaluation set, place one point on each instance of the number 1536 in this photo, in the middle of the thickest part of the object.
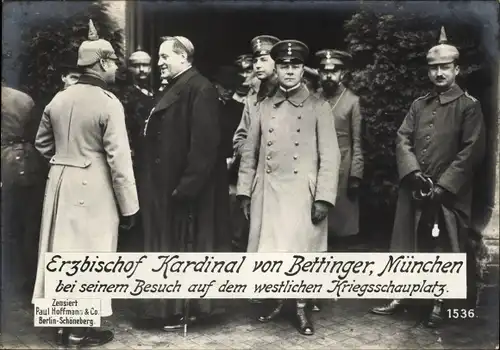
(461, 313)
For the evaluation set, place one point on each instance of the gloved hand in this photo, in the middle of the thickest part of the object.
(245, 206)
(127, 222)
(353, 187)
(319, 211)
(417, 181)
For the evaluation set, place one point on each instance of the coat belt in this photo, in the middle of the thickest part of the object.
(72, 162)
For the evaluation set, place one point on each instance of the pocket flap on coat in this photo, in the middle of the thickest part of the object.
(67, 161)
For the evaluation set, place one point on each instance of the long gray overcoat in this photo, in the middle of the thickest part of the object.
(91, 180)
(443, 136)
(290, 159)
(343, 219)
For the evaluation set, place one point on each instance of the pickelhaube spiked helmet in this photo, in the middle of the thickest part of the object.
(94, 49)
(443, 52)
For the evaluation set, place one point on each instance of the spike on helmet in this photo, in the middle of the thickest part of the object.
(94, 49)
(442, 53)
(92, 31)
(442, 37)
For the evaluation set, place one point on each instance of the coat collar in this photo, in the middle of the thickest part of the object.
(296, 97)
(174, 88)
(449, 95)
(92, 79)
(267, 88)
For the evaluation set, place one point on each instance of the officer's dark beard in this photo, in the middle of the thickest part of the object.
(329, 86)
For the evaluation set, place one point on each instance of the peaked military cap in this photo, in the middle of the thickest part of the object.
(443, 52)
(262, 44)
(329, 58)
(244, 61)
(290, 51)
(140, 57)
(94, 49)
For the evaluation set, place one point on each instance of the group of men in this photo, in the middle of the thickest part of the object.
(297, 153)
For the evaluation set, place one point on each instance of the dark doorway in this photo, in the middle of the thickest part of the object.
(220, 32)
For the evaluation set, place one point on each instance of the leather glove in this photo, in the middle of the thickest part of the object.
(353, 187)
(319, 211)
(245, 206)
(127, 222)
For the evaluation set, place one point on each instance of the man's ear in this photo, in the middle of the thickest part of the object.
(457, 69)
(103, 64)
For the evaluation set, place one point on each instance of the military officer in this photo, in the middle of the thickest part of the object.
(438, 148)
(343, 221)
(70, 72)
(244, 64)
(289, 169)
(264, 70)
(22, 186)
(140, 96)
(91, 180)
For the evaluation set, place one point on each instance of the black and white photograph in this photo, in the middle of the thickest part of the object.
(251, 127)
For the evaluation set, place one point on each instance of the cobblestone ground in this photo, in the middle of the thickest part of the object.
(341, 324)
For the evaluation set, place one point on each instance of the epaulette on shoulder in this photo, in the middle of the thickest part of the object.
(469, 96)
(422, 97)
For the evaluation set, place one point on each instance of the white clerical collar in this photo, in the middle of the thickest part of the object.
(291, 89)
(175, 76)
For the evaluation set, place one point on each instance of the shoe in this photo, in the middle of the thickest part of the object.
(388, 309)
(436, 317)
(173, 323)
(304, 324)
(92, 337)
(272, 315)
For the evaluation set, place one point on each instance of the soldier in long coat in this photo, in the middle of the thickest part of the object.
(439, 147)
(184, 189)
(343, 221)
(289, 169)
(91, 180)
(264, 70)
(23, 176)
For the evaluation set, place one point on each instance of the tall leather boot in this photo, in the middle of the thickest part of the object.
(389, 309)
(304, 323)
(272, 314)
(436, 316)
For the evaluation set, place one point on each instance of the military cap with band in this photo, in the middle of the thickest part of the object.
(262, 44)
(290, 51)
(329, 59)
(94, 49)
(139, 57)
(442, 53)
(244, 61)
